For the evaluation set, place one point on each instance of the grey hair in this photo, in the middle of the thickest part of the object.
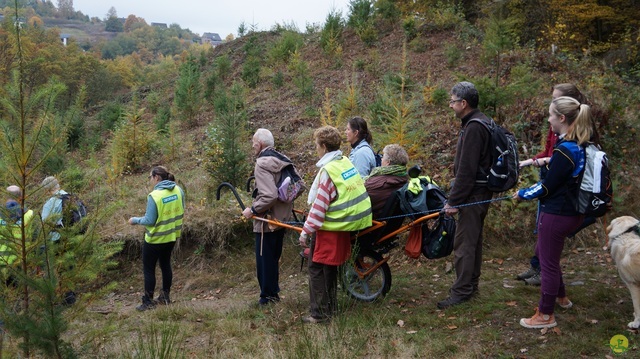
(51, 183)
(265, 137)
(14, 191)
(396, 155)
(467, 91)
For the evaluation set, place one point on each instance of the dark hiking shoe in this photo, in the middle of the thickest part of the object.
(163, 298)
(528, 273)
(451, 302)
(147, 304)
(535, 280)
(69, 298)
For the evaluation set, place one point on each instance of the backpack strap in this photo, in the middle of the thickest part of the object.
(490, 127)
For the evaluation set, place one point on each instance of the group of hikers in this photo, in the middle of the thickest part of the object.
(16, 212)
(349, 191)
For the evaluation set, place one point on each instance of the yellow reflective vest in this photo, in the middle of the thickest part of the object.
(168, 226)
(8, 246)
(351, 211)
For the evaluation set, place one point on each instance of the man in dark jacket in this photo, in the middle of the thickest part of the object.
(472, 155)
(269, 164)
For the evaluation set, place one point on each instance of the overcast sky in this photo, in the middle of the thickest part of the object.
(219, 16)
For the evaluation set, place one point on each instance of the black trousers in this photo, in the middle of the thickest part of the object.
(268, 252)
(152, 254)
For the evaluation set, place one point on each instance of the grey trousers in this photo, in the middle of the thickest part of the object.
(467, 245)
(323, 287)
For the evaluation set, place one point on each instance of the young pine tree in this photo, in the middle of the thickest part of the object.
(188, 93)
(36, 272)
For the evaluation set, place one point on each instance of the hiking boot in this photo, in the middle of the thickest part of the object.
(268, 300)
(451, 302)
(147, 304)
(535, 280)
(163, 298)
(539, 321)
(313, 320)
(528, 273)
(69, 298)
(564, 302)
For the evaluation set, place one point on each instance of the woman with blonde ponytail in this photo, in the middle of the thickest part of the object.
(571, 120)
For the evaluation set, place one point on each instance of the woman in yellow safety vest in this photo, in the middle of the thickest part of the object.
(163, 223)
(339, 204)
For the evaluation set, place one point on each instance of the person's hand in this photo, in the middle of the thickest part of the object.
(302, 240)
(516, 197)
(130, 220)
(525, 163)
(247, 212)
(539, 162)
(449, 211)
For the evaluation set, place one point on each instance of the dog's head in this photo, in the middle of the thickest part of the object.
(620, 225)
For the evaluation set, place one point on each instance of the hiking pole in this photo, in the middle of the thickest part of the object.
(233, 190)
(242, 207)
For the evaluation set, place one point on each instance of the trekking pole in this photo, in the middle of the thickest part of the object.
(233, 190)
(242, 207)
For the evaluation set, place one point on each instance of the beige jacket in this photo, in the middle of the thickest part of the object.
(266, 203)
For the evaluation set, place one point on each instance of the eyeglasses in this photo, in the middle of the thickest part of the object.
(451, 102)
(150, 176)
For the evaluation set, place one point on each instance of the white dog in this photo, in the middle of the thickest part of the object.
(624, 240)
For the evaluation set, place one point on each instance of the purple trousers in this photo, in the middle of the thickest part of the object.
(552, 231)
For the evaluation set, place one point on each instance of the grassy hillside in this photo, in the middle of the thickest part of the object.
(215, 288)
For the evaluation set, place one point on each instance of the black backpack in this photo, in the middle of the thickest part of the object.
(429, 199)
(595, 192)
(503, 173)
(73, 210)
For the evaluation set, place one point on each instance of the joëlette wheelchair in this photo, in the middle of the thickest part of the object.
(367, 276)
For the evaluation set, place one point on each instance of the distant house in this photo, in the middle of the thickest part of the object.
(211, 38)
(161, 25)
(65, 38)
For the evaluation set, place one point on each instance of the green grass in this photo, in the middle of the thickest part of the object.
(215, 315)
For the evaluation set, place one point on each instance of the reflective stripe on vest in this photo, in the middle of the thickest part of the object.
(168, 226)
(351, 211)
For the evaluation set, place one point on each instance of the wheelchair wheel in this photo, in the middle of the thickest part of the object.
(371, 287)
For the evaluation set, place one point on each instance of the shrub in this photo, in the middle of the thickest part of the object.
(439, 96)
(253, 62)
(109, 115)
(409, 27)
(226, 146)
(285, 47)
(453, 54)
(387, 10)
(188, 92)
(223, 66)
(278, 79)
(331, 34)
(349, 103)
(162, 119)
(301, 78)
(133, 143)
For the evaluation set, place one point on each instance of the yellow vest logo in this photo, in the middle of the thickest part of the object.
(619, 344)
